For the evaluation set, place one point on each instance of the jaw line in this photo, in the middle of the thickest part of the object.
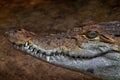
(94, 65)
(47, 54)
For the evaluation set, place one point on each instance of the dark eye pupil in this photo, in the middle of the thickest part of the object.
(92, 34)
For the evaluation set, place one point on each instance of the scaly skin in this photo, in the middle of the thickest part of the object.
(91, 48)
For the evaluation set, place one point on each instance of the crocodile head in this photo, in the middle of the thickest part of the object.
(93, 48)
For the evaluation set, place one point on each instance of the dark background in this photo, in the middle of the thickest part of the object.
(46, 17)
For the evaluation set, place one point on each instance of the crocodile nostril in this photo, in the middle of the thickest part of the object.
(19, 29)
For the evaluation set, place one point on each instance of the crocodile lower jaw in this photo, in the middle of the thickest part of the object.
(76, 54)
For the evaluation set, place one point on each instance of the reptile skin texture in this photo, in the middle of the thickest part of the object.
(92, 49)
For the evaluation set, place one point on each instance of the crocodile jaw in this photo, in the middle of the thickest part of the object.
(104, 66)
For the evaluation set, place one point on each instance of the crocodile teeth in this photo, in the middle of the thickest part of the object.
(35, 50)
(48, 58)
(36, 54)
(31, 49)
(26, 44)
(44, 54)
(27, 47)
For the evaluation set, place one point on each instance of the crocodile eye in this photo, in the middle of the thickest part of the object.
(91, 34)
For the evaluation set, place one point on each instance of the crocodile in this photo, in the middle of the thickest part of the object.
(92, 49)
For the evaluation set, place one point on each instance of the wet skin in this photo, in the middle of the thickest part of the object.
(91, 48)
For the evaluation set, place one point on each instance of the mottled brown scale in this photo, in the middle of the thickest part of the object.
(70, 40)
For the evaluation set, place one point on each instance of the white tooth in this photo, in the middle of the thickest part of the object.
(48, 58)
(35, 52)
(26, 43)
(27, 47)
(31, 49)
